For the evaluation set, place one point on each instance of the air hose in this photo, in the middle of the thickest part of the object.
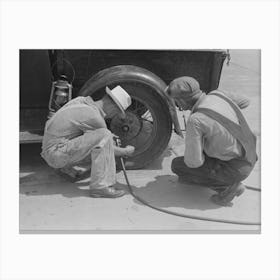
(194, 217)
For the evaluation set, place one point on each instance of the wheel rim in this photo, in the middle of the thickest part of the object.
(139, 126)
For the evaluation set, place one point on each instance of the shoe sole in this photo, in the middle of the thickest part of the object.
(240, 191)
(103, 196)
(224, 202)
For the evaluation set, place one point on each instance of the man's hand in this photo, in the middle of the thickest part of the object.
(128, 151)
(124, 152)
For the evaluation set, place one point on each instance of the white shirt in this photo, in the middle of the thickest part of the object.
(203, 134)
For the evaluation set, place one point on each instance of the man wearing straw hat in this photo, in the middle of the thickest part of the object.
(220, 148)
(77, 133)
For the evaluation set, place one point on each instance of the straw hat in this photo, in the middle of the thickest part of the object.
(120, 97)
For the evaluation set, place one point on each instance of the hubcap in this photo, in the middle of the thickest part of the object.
(127, 128)
(138, 128)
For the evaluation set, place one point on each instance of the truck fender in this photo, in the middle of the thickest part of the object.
(123, 73)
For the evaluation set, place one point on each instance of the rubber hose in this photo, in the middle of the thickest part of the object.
(184, 215)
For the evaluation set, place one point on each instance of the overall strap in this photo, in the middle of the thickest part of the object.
(236, 109)
(241, 132)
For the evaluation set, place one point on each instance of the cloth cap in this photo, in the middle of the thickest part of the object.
(187, 86)
(120, 97)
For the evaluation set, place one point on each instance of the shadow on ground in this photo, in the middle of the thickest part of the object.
(37, 178)
(165, 192)
(157, 164)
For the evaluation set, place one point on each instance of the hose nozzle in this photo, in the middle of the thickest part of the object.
(117, 140)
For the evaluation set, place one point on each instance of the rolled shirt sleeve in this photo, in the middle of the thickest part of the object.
(193, 156)
(241, 101)
(90, 119)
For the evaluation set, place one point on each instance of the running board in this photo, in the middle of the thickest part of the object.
(27, 137)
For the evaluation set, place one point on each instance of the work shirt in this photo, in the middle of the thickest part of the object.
(72, 120)
(205, 135)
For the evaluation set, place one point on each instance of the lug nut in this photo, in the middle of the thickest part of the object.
(125, 128)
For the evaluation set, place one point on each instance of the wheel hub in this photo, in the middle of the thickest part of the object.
(126, 128)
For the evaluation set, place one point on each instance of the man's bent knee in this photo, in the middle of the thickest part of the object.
(177, 164)
(99, 137)
(105, 132)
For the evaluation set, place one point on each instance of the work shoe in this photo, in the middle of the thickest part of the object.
(74, 173)
(219, 190)
(225, 197)
(109, 192)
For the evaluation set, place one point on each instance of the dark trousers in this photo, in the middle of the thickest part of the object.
(214, 172)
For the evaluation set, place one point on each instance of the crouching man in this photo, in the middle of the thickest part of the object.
(77, 133)
(220, 148)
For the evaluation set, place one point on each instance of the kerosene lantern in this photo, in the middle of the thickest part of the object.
(61, 93)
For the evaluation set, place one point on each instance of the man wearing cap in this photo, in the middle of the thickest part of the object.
(220, 148)
(77, 133)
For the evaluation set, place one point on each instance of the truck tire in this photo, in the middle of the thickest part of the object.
(148, 124)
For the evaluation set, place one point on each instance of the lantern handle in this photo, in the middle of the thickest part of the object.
(69, 63)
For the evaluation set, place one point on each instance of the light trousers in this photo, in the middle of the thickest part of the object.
(94, 144)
